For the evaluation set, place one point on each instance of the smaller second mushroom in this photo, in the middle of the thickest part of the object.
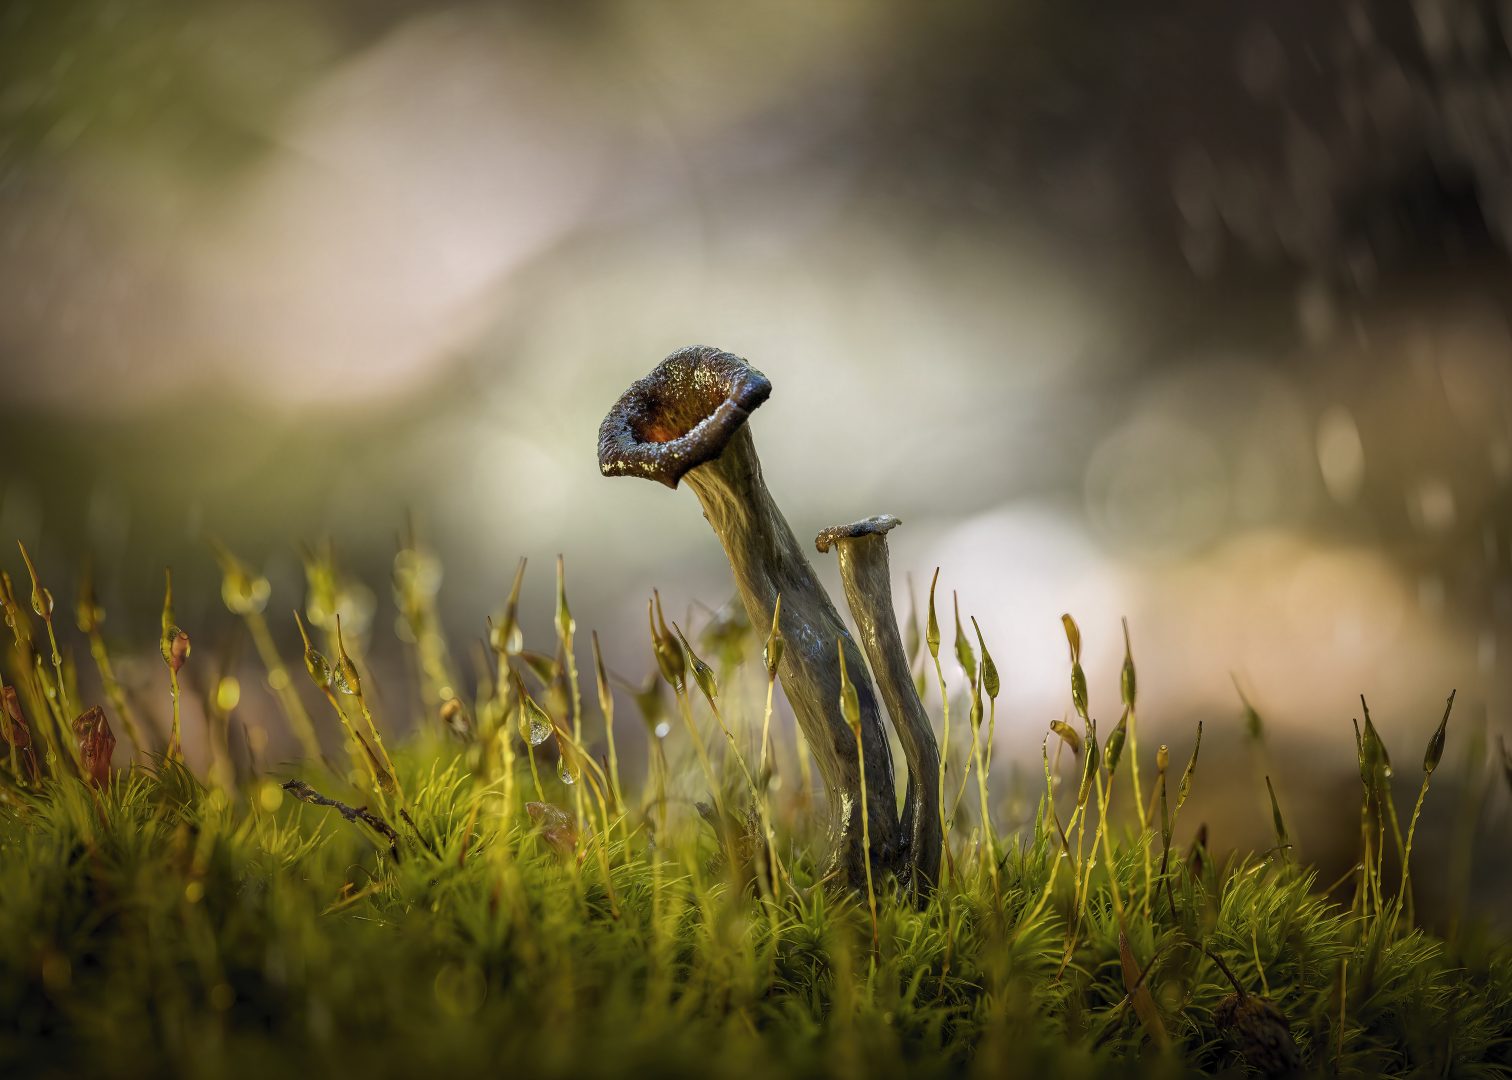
(862, 549)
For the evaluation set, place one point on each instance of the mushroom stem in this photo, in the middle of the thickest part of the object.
(862, 549)
(768, 562)
(688, 419)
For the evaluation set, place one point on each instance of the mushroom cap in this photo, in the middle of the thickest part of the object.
(879, 525)
(680, 415)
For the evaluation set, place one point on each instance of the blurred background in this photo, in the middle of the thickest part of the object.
(1196, 314)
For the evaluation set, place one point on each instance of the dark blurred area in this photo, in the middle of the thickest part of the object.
(1195, 313)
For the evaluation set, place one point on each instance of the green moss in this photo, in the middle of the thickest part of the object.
(167, 924)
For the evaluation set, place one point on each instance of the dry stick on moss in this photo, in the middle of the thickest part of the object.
(305, 793)
(424, 840)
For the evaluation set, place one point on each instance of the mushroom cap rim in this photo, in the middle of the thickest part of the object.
(622, 452)
(876, 525)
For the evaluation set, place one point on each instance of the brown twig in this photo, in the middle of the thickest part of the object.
(305, 793)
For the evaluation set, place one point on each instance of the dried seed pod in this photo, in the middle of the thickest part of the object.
(96, 744)
(1259, 1031)
(178, 650)
(555, 826)
(15, 732)
(12, 720)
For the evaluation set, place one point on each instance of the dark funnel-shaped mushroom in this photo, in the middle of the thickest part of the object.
(862, 548)
(687, 419)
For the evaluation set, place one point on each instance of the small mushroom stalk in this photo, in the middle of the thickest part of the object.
(862, 549)
(687, 418)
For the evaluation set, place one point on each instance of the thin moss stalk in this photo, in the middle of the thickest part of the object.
(42, 604)
(174, 646)
(1431, 758)
(850, 708)
(90, 616)
(932, 640)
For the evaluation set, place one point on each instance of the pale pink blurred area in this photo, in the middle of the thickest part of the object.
(1189, 316)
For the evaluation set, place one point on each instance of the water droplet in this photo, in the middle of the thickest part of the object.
(535, 725)
(663, 729)
(340, 681)
(568, 771)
